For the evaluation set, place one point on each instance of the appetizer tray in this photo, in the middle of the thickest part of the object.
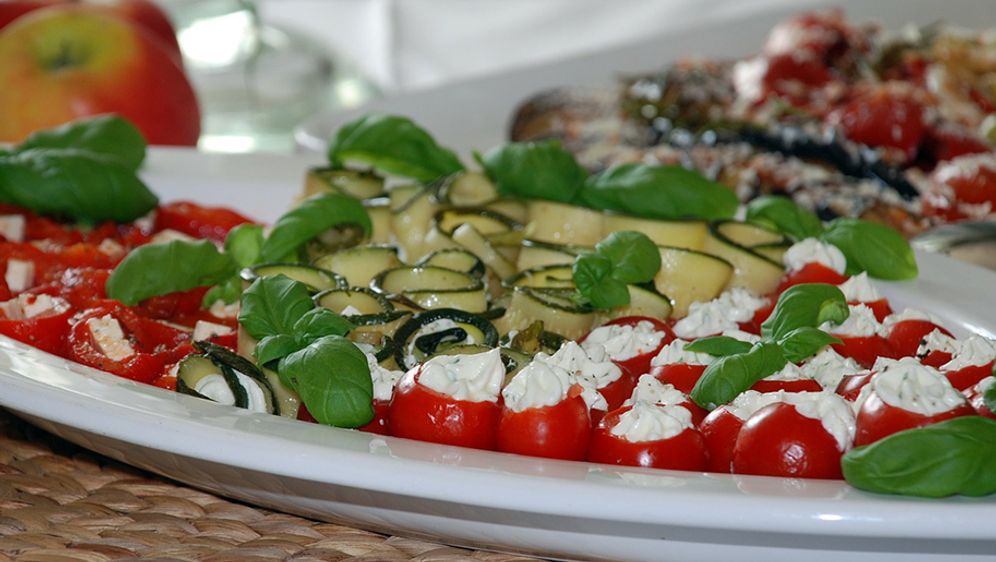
(558, 509)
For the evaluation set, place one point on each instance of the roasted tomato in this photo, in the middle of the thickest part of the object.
(950, 140)
(561, 431)
(684, 451)
(37, 320)
(779, 441)
(212, 223)
(418, 412)
(884, 116)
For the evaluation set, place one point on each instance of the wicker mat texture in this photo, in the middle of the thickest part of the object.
(61, 503)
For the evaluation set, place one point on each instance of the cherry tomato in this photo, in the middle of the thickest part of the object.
(719, 430)
(793, 77)
(379, 423)
(967, 377)
(753, 326)
(882, 116)
(165, 381)
(972, 178)
(640, 364)
(617, 391)
(681, 376)
(418, 412)
(950, 140)
(880, 308)
(797, 385)
(877, 419)
(811, 273)
(561, 431)
(905, 336)
(863, 349)
(779, 441)
(47, 331)
(976, 398)
(850, 386)
(685, 451)
(212, 223)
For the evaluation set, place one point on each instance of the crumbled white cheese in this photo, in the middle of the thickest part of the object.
(859, 289)
(204, 330)
(472, 378)
(25, 306)
(111, 248)
(12, 227)
(107, 334)
(625, 342)
(20, 275)
(538, 384)
(219, 309)
(811, 250)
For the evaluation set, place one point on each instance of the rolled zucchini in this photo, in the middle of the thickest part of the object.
(751, 270)
(433, 287)
(315, 278)
(688, 276)
(432, 332)
(222, 376)
(361, 264)
(679, 234)
(358, 184)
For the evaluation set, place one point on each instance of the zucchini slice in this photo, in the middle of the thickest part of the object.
(559, 223)
(287, 400)
(512, 208)
(361, 264)
(432, 332)
(223, 376)
(433, 287)
(359, 298)
(486, 222)
(470, 238)
(535, 253)
(466, 189)
(689, 276)
(679, 234)
(379, 210)
(456, 259)
(555, 308)
(748, 234)
(412, 209)
(544, 277)
(774, 252)
(315, 278)
(751, 270)
(643, 301)
(358, 184)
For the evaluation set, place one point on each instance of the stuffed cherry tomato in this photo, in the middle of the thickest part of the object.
(544, 414)
(906, 330)
(384, 383)
(649, 389)
(450, 399)
(859, 336)
(678, 367)
(630, 341)
(972, 362)
(976, 397)
(811, 273)
(605, 385)
(904, 394)
(649, 435)
(859, 290)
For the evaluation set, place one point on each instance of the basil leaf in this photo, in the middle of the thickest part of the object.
(333, 379)
(393, 145)
(108, 135)
(227, 291)
(719, 346)
(244, 244)
(540, 170)
(782, 214)
(726, 378)
(74, 183)
(311, 218)
(805, 306)
(635, 258)
(593, 278)
(659, 192)
(320, 322)
(160, 269)
(272, 305)
(956, 456)
(874, 248)
(275, 347)
(989, 398)
(802, 343)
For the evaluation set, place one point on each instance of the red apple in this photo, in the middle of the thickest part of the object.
(141, 12)
(65, 62)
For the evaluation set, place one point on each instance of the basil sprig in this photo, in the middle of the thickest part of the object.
(789, 334)
(392, 145)
(603, 277)
(540, 170)
(870, 247)
(658, 192)
(956, 456)
(311, 218)
(83, 171)
(243, 244)
(783, 215)
(159, 269)
(306, 346)
(989, 398)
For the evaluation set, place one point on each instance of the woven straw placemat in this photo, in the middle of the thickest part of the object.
(62, 503)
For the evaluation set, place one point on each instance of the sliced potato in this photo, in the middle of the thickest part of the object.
(678, 234)
(689, 276)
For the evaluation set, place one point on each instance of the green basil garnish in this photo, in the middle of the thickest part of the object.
(311, 218)
(719, 346)
(333, 379)
(989, 398)
(74, 183)
(874, 248)
(243, 244)
(107, 135)
(802, 343)
(159, 269)
(805, 306)
(658, 192)
(956, 456)
(312, 325)
(622, 258)
(727, 377)
(783, 215)
(392, 145)
(272, 305)
(540, 170)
